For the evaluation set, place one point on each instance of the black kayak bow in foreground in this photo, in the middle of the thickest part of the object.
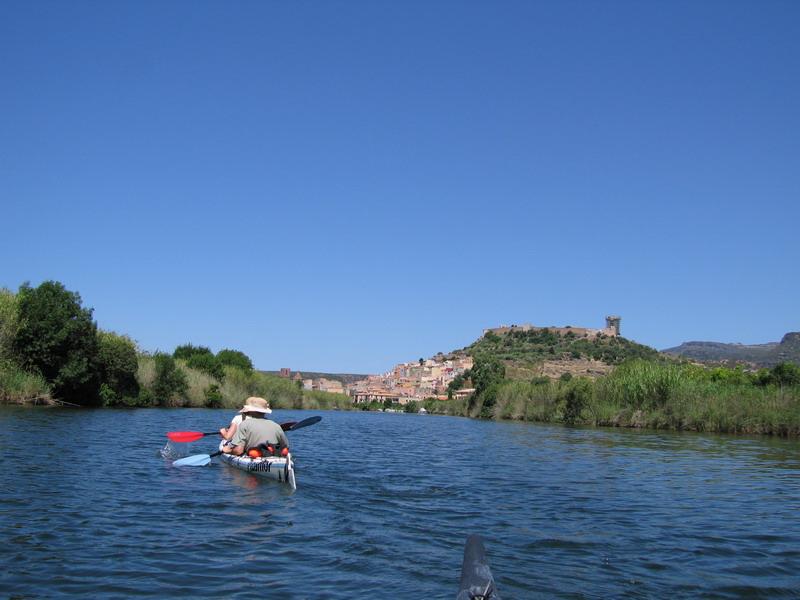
(201, 460)
(477, 582)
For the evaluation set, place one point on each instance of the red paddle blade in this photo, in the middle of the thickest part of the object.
(184, 436)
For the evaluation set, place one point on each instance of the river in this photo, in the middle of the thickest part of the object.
(90, 508)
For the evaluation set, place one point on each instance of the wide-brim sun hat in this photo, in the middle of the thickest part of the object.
(255, 404)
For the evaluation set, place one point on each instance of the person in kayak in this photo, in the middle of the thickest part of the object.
(255, 430)
(227, 432)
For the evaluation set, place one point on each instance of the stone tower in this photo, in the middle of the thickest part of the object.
(612, 324)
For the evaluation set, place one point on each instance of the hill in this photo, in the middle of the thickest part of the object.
(544, 352)
(757, 355)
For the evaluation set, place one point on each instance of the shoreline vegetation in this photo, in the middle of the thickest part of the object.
(52, 352)
(643, 394)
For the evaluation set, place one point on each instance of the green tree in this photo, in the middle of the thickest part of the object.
(118, 366)
(234, 358)
(170, 382)
(491, 337)
(186, 351)
(486, 371)
(486, 375)
(455, 385)
(785, 374)
(577, 394)
(207, 363)
(57, 338)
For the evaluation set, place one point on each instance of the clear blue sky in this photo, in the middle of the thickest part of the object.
(342, 186)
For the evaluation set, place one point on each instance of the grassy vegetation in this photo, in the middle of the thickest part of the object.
(52, 350)
(203, 390)
(17, 386)
(649, 394)
(20, 387)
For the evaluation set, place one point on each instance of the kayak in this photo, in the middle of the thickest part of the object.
(272, 467)
(477, 582)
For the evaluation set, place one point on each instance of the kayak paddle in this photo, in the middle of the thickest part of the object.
(300, 424)
(201, 460)
(193, 436)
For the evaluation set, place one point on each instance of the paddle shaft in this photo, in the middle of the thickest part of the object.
(202, 459)
(193, 436)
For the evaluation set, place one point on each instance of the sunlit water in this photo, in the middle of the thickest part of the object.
(90, 508)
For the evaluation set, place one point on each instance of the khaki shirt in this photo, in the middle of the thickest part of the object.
(253, 432)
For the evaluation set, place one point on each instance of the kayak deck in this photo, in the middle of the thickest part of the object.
(477, 582)
(277, 468)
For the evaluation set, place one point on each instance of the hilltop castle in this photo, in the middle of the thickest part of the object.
(611, 329)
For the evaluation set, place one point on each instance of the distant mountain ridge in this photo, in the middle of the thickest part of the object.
(759, 355)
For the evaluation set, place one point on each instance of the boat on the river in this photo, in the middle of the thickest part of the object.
(477, 582)
(278, 468)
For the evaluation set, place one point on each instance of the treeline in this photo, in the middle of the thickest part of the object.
(51, 350)
(641, 393)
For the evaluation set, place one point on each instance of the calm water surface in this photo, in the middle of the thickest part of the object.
(89, 508)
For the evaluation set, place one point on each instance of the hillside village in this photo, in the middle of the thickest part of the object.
(430, 378)
(406, 382)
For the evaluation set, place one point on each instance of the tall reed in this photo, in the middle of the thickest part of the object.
(20, 387)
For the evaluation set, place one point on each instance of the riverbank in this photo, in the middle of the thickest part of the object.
(638, 395)
(642, 394)
(52, 352)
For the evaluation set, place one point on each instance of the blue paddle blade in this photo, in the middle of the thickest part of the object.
(198, 460)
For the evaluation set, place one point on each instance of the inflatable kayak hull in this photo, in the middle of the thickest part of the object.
(270, 467)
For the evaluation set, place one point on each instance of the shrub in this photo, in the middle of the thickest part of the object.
(170, 382)
(118, 367)
(213, 396)
(234, 358)
(207, 363)
(411, 407)
(56, 337)
(145, 398)
(786, 374)
(577, 395)
(186, 351)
